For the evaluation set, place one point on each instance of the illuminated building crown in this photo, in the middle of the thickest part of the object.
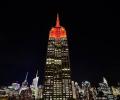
(58, 31)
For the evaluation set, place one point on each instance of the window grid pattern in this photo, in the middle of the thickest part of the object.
(57, 83)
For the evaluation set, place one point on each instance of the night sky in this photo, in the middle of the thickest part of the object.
(93, 29)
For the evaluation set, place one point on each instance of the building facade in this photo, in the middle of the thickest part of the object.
(57, 83)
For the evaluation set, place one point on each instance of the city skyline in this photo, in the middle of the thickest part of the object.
(94, 51)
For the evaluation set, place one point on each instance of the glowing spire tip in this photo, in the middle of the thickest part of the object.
(58, 21)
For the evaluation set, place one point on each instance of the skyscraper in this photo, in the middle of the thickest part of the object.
(57, 83)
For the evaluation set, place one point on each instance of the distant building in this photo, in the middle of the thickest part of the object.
(3, 95)
(104, 91)
(24, 84)
(34, 86)
(40, 92)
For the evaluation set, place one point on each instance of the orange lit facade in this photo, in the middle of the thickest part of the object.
(58, 31)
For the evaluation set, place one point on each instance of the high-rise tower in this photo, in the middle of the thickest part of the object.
(57, 83)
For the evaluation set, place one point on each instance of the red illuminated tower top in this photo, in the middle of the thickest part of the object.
(57, 21)
(57, 31)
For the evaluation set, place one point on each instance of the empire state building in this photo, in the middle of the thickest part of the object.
(57, 81)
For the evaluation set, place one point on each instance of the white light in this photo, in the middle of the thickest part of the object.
(65, 69)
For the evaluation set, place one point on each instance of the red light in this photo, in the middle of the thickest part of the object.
(57, 31)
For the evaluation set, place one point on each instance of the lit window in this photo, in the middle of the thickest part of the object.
(66, 69)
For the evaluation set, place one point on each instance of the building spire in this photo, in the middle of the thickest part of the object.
(37, 73)
(105, 81)
(57, 21)
(26, 76)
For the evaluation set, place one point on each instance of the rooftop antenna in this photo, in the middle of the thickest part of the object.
(37, 73)
(26, 76)
(57, 21)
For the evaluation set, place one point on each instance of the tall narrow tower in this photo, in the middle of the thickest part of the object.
(57, 83)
